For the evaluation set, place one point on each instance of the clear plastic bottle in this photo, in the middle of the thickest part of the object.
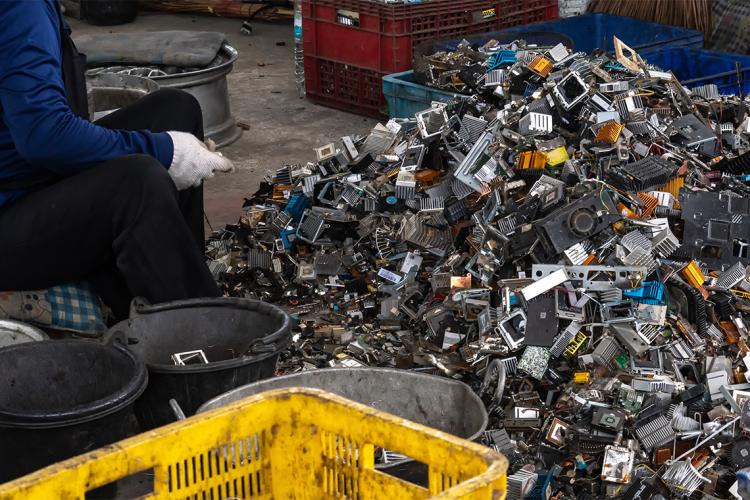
(299, 54)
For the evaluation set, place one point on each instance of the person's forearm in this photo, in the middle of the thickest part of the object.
(62, 142)
(34, 105)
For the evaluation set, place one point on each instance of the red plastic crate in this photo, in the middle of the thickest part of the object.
(382, 37)
(344, 86)
(348, 43)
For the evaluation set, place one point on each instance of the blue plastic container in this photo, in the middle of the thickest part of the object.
(695, 67)
(406, 97)
(596, 31)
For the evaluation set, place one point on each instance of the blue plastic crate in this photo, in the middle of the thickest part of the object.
(596, 31)
(696, 67)
(406, 97)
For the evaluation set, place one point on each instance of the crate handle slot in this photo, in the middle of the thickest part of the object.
(347, 17)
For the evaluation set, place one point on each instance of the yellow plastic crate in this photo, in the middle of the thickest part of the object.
(290, 443)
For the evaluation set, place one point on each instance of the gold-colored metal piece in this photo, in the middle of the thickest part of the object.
(281, 192)
(627, 56)
(461, 281)
(693, 275)
(393, 172)
(673, 187)
(531, 159)
(649, 204)
(609, 132)
(427, 177)
(541, 66)
(625, 211)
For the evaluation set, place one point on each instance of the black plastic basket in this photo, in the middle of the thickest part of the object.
(241, 339)
(61, 398)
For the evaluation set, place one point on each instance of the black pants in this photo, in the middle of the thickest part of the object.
(121, 225)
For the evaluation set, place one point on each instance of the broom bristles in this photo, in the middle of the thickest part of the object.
(694, 14)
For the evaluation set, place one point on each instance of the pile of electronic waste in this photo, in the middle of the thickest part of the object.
(573, 246)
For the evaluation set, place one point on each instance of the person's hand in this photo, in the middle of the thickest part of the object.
(192, 162)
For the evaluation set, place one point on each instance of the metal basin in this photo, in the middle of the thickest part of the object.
(208, 85)
(108, 92)
(15, 332)
(440, 403)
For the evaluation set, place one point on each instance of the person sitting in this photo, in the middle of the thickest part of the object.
(118, 202)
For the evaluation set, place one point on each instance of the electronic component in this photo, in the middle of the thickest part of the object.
(535, 123)
(326, 152)
(606, 352)
(431, 122)
(534, 361)
(513, 329)
(310, 226)
(643, 175)
(577, 221)
(682, 478)
(655, 433)
(520, 483)
(558, 432)
(617, 466)
(691, 132)
(413, 158)
(570, 91)
(564, 338)
(717, 226)
(541, 66)
(469, 171)
(609, 132)
(608, 418)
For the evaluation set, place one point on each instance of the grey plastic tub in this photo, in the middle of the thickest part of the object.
(440, 403)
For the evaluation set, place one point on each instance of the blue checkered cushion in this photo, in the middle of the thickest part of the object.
(72, 307)
(75, 307)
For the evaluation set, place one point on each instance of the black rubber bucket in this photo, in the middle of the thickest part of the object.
(438, 402)
(241, 339)
(61, 398)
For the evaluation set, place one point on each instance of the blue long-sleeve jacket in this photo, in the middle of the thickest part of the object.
(38, 132)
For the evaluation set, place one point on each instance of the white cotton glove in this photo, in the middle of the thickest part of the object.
(192, 161)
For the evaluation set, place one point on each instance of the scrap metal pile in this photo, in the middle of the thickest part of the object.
(574, 248)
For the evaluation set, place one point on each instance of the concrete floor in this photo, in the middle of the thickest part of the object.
(284, 128)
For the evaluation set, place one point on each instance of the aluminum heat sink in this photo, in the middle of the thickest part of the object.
(635, 239)
(415, 231)
(535, 123)
(520, 484)
(257, 259)
(708, 91)
(431, 122)
(495, 77)
(310, 226)
(563, 339)
(471, 128)
(665, 243)
(731, 276)
(655, 433)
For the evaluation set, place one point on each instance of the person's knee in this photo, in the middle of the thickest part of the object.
(186, 106)
(180, 99)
